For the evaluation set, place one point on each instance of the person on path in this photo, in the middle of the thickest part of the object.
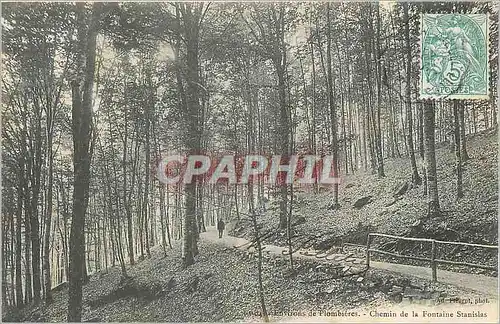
(220, 227)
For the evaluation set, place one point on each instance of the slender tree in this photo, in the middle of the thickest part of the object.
(430, 158)
(82, 91)
(415, 177)
(458, 147)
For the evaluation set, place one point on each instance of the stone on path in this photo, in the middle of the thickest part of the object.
(331, 289)
(321, 255)
(336, 257)
(361, 202)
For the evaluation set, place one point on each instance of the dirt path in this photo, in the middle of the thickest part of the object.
(484, 284)
(479, 283)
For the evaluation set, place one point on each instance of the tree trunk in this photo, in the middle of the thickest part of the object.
(19, 215)
(28, 295)
(126, 193)
(258, 247)
(48, 220)
(191, 14)
(36, 171)
(5, 292)
(332, 109)
(145, 203)
(461, 107)
(313, 106)
(377, 121)
(161, 188)
(280, 66)
(430, 159)
(458, 147)
(81, 129)
(415, 178)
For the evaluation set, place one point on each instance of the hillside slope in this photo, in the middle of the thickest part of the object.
(472, 219)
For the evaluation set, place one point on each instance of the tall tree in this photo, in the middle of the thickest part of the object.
(458, 146)
(415, 177)
(430, 159)
(192, 17)
(82, 93)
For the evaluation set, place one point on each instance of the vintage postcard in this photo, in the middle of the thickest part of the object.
(248, 162)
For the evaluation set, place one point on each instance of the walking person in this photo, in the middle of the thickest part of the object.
(220, 227)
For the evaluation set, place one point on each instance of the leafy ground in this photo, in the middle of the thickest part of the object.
(472, 219)
(222, 286)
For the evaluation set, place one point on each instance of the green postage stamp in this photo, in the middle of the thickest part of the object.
(454, 56)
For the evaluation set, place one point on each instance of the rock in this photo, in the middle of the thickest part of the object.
(396, 290)
(171, 283)
(360, 279)
(349, 185)
(336, 257)
(403, 282)
(298, 221)
(392, 202)
(331, 289)
(398, 298)
(92, 320)
(418, 285)
(333, 206)
(326, 243)
(321, 255)
(361, 202)
(332, 270)
(401, 189)
(330, 257)
(417, 223)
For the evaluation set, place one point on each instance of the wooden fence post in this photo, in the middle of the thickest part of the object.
(368, 251)
(433, 261)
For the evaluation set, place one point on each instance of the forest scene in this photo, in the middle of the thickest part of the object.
(248, 162)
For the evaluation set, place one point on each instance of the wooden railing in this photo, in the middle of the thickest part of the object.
(434, 246)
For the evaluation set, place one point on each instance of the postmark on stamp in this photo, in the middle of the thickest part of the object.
(454, 56)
